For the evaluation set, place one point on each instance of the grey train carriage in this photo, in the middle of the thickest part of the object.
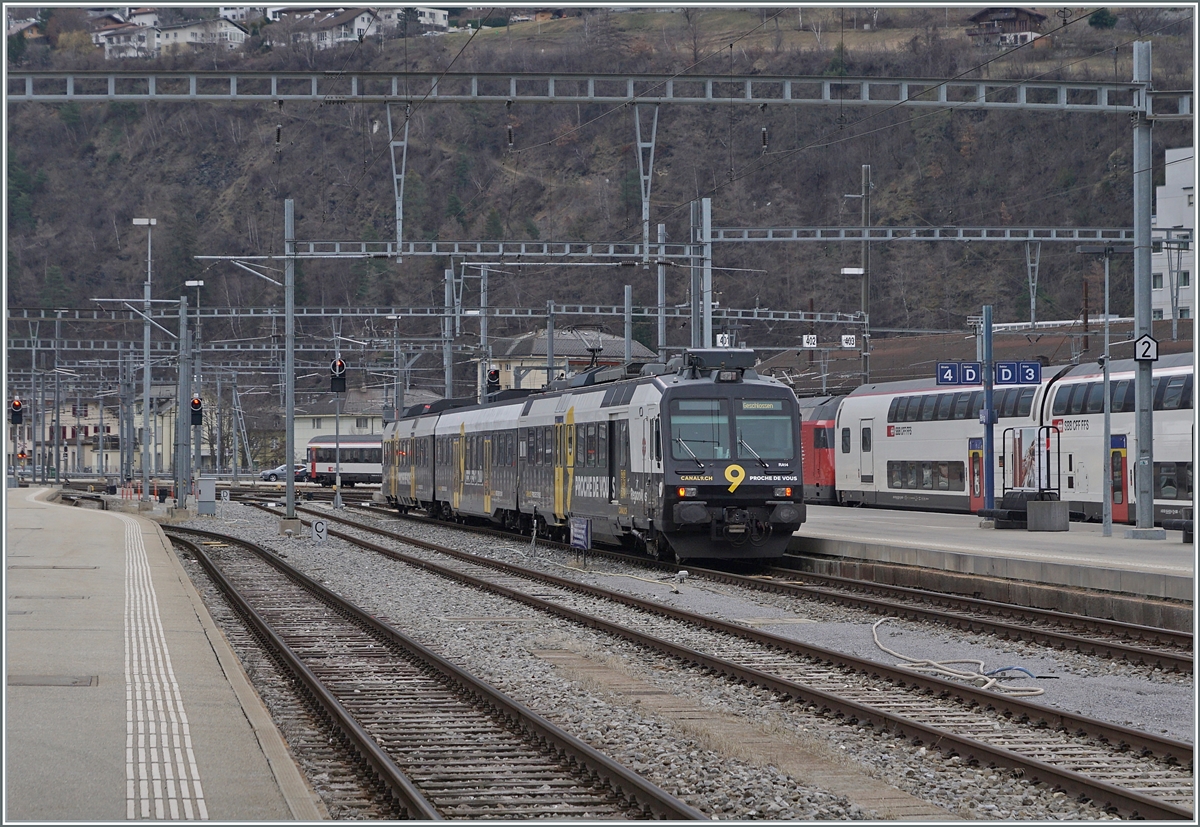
(698, 459)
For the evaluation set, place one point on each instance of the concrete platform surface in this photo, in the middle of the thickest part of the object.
(1080, 557)
(123, 700)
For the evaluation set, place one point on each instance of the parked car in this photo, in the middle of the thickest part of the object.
(279, 473)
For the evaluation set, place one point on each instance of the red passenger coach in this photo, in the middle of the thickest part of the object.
(817, 429)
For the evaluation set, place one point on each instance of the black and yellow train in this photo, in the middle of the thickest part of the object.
(697, 458)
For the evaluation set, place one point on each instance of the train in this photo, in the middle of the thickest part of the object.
(919, 445)
(361, 459)
(695, 458)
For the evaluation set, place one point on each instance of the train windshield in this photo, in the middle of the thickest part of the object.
(764, 429)
(700, 429)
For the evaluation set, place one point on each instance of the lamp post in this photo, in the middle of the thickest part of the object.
(197, 430)
(148, 223)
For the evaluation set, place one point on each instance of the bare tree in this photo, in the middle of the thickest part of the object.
(695, 31)
(1144, 18)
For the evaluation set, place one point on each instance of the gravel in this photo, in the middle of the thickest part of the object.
(448, 620)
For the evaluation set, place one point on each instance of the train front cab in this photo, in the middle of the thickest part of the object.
(731, 468)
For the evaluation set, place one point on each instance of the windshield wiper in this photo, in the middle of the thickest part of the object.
(746, 444)
(689, 450)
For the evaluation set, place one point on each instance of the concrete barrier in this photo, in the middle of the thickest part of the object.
(1048, 515)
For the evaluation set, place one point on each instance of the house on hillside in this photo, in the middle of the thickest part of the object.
(143, 17)
(217, 33)
(1005, 27)
(122, 40)
(522, 360)
(28, 29)
(324, 29)
(1172, 265)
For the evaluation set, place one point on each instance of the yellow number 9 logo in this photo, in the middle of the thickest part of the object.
(735, 474)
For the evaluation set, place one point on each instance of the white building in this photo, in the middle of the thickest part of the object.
(196, 34)
(1172, 267)
(324, 29)
(121, 40)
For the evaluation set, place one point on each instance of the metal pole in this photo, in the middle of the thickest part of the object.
(197, 430)
(628, 323)
(180, 471)
(662, 294)
(1107, 514)
(217, 464)
(1143, 185)
(234, 427)
(100, 433)
(697, 326)
(549, 342)
(337, 452)
(146, 363)
(866, 268)
(78, 435)
(989, 436)
(706, 240)
(447, 336)
(57, 403)
(289, 367)
(484, 361)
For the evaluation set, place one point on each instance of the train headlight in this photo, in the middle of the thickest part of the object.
(685, 492)
(785, 491)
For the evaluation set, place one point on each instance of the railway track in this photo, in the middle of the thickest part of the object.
(1152, 646)
(443, 743)
(1116, 767)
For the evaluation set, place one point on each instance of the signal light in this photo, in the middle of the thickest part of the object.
(337, 382)
(197, 406)
(18, 412)
(783, 492)
(686, 492)
(493, 380)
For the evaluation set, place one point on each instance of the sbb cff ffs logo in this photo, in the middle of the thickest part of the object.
(18, 412)
(197, 406)
(337, 381)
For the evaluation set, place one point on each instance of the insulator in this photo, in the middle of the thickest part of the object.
(764, 139)
(510, 137)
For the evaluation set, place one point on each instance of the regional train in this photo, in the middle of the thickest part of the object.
(360, 458)
(919, 445)
(697, 458)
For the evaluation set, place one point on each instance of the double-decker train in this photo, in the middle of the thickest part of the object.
(360, 459)
(699, 458)
(919, 445)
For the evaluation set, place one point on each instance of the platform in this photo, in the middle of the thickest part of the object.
(123, 700)
(1080, 558)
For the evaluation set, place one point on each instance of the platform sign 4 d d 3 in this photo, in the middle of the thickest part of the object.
(1018, 373)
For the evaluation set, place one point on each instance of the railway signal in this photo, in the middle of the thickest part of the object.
(18, 412)
(493, 380)
(337, 380)
(197, 406)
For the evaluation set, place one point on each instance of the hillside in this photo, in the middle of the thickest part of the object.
(215, 179)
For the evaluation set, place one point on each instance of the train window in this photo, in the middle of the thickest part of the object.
(892, 409)
(590, 445)
(1173, 481)
(580, 445)
(822, 437)
(927, 475)
(956, 476)
(845, 440)
(1025, 401)
(1061, 400)
(700, 429)
(1156, 390)
(962, 403)
(535, 439)
(550, 446)
(945, 406)
(1118, 389)
(602, 445)
(623, 444)
(913, 409)
(1078, 396)
(1173, 393)
(658, 454)
(865, 440)
(901, 408)
(1095, 398)
(910, 474)
(1185, 401)
(976, 405)
(894, 478)
(764, 429)
(928, 407)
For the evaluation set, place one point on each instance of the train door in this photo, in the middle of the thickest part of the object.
(866, 460)
(975, 473)
(1119, 452)
(619, 469)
